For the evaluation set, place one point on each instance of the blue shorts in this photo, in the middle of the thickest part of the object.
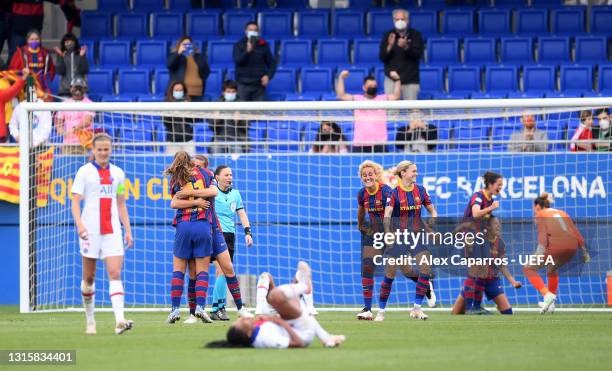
(492, 289)
(193, 240)
(218, 245)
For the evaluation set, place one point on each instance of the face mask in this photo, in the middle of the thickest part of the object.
(178, 95)
(400, 25)
(604, 124)
(34, 44)
(251, 34)
(77, 93)
(371, 91)
(229, 97)
(69, 46)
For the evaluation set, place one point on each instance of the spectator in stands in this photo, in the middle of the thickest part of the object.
(370, 128)
(602, 131)
(530, 139)
(33, 58)
(7, 95)
(583, 133)
(255, 65)
(416, 134)
(179, 129)
(330, 132)
(401, 50)
(5, 25)
(230, 130)
(76, 126)
(188, 65)
(41, 124)
(70, 63)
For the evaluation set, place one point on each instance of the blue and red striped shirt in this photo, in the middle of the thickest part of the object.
(407, 205)
(375, 203)
(200, 179)
(478, 198)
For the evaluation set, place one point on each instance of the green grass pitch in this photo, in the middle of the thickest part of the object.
(524, 341)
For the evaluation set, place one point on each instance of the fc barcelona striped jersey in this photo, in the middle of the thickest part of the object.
(200, 179)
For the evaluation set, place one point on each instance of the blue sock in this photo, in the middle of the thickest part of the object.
(176, 288)
(234, 287)
(507, 311)
(385, 291)
(219, 292)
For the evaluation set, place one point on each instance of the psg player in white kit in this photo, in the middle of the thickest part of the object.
(100, 185)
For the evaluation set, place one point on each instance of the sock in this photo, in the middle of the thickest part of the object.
(176, 290)
(191, 296)
(201, 288)
(479, 286)
(535, 279)
(263, 286)
(415, 280)
(421, 288)
(219, 293)
(507, 311)
(234, 287)
(553, 282)
(89, 300)
(319, 331)
(385, 291)
(309, 300)
(468, 293)
(117, 296)
(367, 282)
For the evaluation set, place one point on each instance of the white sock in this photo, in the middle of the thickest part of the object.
(293, 290)
(263, 286)
(319, 331)
(88, 293)
(309, 299)
(115, 289)
(417, 306)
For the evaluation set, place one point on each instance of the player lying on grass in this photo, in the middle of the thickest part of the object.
(100, 185)
(493, 247)
(559, 238)
(292, 327)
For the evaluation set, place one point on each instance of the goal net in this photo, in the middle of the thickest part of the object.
(302, 202)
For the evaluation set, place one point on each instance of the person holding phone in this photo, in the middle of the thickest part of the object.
(186, 64)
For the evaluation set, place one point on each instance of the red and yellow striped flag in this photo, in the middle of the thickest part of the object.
(9, 175)
(44, 168)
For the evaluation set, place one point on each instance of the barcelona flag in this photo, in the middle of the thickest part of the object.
(9, 175)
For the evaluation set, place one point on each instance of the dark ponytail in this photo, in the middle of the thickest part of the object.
(543, 201)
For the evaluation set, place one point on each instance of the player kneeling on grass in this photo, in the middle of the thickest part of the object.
(292, 327)
(100, 185)
(493, 247)
(558, 238)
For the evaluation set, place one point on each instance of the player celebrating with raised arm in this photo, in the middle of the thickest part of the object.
(371, 199)
(404, 212)
(100, 185)
(481, 206)
(559, 238)
(189, 187)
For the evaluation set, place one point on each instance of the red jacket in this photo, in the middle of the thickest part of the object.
(43, 69)
(5, 96)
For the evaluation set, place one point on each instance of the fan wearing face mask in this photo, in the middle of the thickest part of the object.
(179, 129)
(33, 59)
(370, 126)
(401, 50)
(76, 126)
(229, 130)
(186, 63)
(602, 131)
(70, 62)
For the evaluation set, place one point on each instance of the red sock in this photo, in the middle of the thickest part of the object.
(553, 282)
(535, 279)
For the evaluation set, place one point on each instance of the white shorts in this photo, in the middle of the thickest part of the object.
(303, 326)
(100, 246)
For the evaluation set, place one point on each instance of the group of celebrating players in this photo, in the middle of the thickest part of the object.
(285, 313)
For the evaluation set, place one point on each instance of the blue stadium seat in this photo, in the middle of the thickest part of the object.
(101, 81)
(354, 82)
(592, 49)
(379, 22)
(348, 24)
(316, 80)
(313, 23)
(547, 3)
(479, 51)
(576, 79)
(600, 19)
(463, 79)
(161, 80)
(201, 136)
(96, 25)
(494, 22)
(291, 4)
(220, 53)
(485, 95)
(605, 79)
(501, 79)
(366, 51)
(283, 131)
(214, 84)
(113, 5)
(568, 21)
(532, 21)
(284, 81)
(132, 26)
(458, 22)
(274, 24)
(203, 25)
(425, 21)
(379, 73)
(553, 50)
(234, 22)
(516, 50)
(115, 53)
(134, 81)
(151, 53)
(296, 52)
(179, 5)
(168, 25)
(151, 98)
(304, 97)
(539, 79)
(431, 79)
(333, 52)
(91, 50)
(524, 95)
(135, 137)
(148, 5)
(442, 51)
(472, 131)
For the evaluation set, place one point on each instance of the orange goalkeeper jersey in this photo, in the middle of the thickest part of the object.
(556, 231)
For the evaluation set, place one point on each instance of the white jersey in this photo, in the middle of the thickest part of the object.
(271, 335)
(99, 188)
